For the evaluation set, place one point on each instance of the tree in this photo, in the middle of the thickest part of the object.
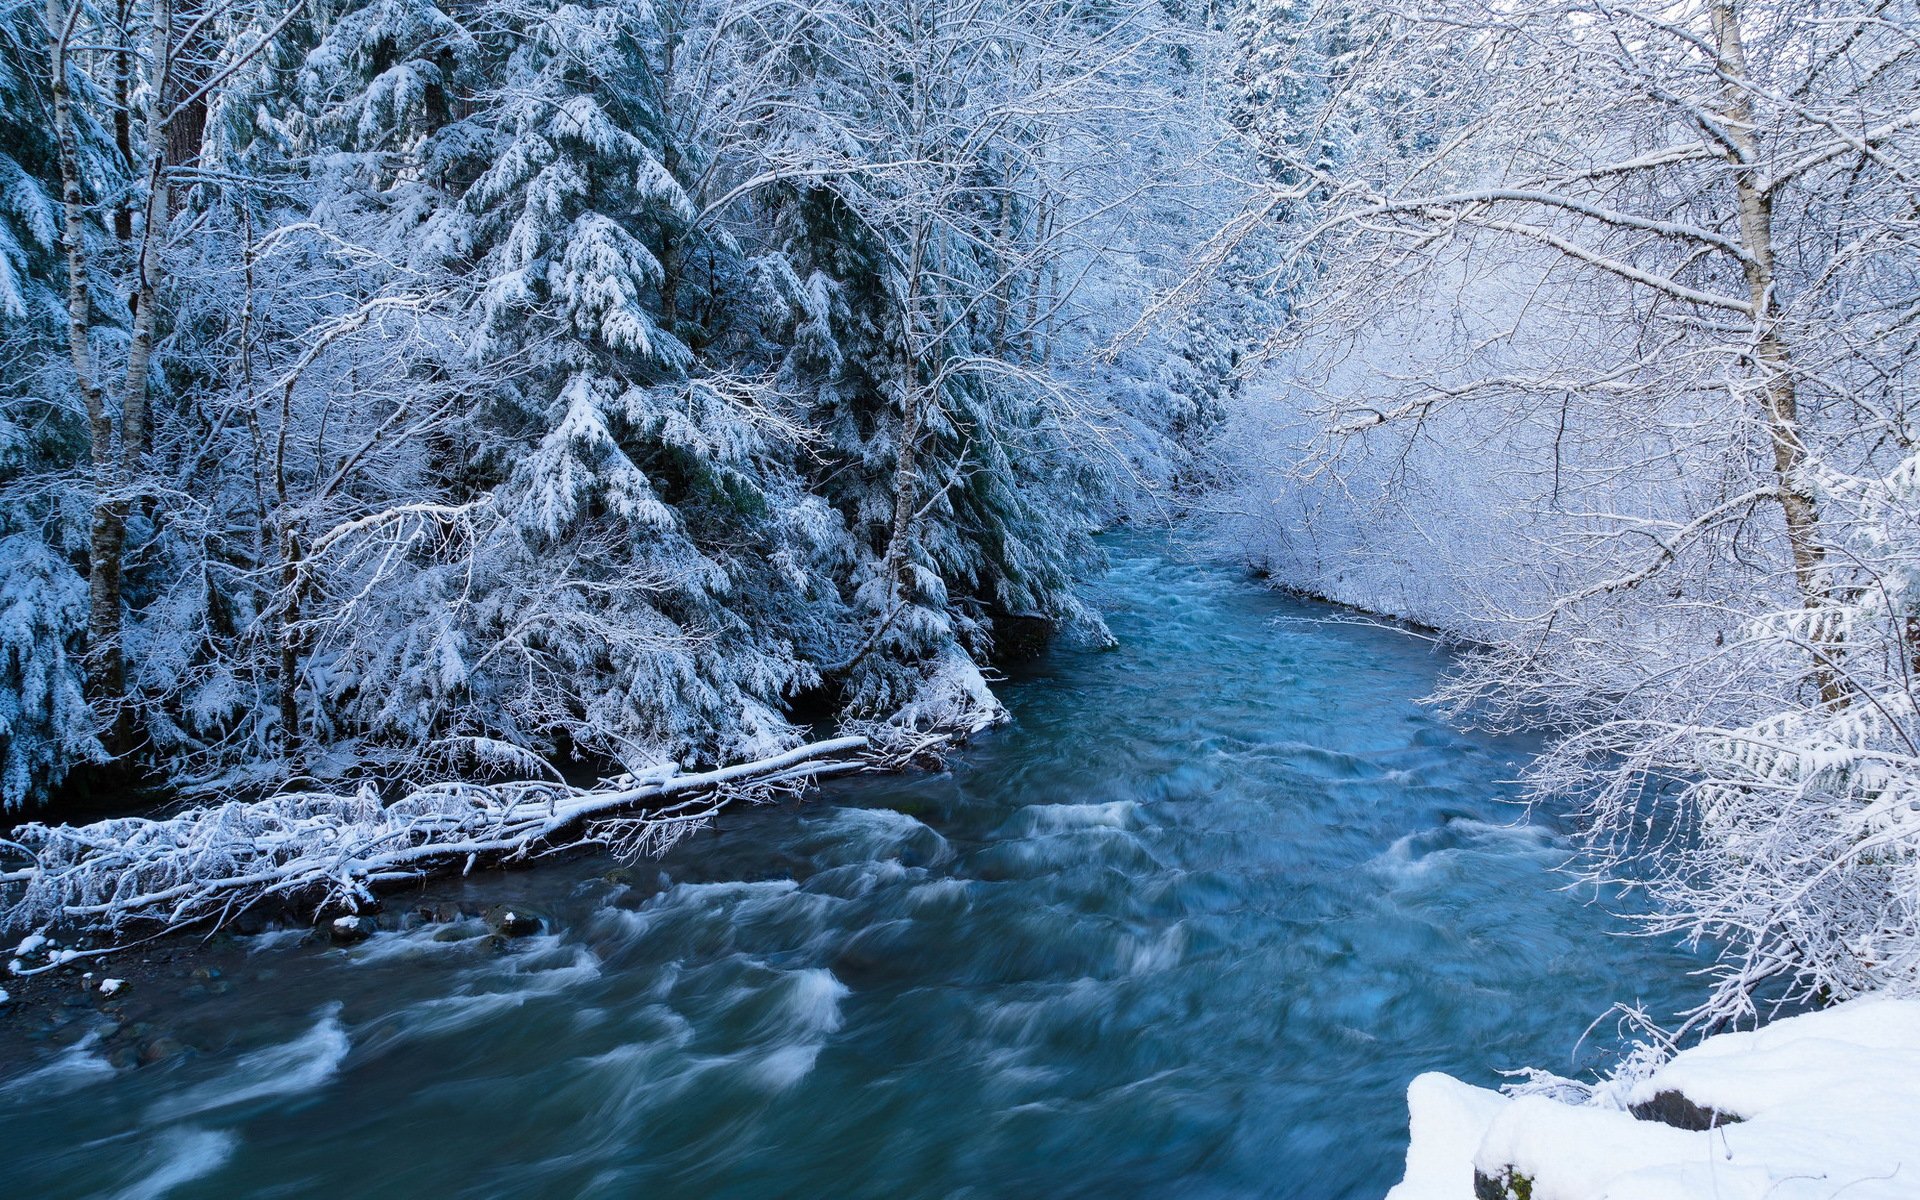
(1669, 249)
(471, 390)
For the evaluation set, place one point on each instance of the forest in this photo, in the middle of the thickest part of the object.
(436, 432)
(397, 393)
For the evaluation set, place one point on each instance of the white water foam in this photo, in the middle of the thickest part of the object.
(75, 1067)
(1412, 856)
(185, 1155)
(848, 835)
(1063, 818)
(525, 981)
(301, 1065)
(810, 1014)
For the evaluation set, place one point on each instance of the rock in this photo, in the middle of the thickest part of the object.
(1672, 1108)
(1508, 1185)
(159, 1050)
(109, 986)
(250, 923)
(516, 924)
(345, 931)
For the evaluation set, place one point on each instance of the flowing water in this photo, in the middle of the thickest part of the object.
(1185, 928)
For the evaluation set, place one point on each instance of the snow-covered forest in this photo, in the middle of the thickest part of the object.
(409, 410)
(397, 392)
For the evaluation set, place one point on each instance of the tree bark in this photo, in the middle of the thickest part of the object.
(1770, 353)
(123, 113)
(106, 668)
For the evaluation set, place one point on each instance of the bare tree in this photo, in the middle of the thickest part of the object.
(1647, 276)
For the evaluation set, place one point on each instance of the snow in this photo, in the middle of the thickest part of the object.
(3, 996)
(1825, 1101)
(109, 986)
(1446, 1115)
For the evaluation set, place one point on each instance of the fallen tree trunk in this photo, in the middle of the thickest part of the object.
(332, 853)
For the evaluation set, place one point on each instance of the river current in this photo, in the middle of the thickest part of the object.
(1185, 927)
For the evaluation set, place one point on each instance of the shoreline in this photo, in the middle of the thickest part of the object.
(55, 966)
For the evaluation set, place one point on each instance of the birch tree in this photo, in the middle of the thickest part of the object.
(1670, 250)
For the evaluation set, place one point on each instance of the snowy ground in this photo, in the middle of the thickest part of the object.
(1825, 1105)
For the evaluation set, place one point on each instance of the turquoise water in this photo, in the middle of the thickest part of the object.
(1186, 928)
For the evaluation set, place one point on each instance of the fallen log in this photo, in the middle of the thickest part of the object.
(327, 852)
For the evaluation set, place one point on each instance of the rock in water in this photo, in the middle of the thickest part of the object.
(517, 924)
(348, 930)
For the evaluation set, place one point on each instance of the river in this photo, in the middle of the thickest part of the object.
(1186, 927)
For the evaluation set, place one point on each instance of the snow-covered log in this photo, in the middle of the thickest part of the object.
(328, 851)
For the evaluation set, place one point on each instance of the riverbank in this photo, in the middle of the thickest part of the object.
(119, 998)
(109, 910)
(125, 1006)
(332, 855)
(1808, 1107)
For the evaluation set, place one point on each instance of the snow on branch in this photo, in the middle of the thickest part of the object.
(328, 851)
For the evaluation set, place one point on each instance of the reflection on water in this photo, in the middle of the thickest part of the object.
(1186, 928)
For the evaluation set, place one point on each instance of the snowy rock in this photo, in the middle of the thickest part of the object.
(109, 986)
(1810, 1106)
(517, 924)
(1446, 1115)
(348, 930)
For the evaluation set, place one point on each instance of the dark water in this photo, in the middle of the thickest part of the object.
(1186, 928)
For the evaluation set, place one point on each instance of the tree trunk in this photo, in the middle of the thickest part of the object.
(1770, 353)
(106, 668)
(123, 113)
(189, 66)
(905, 493)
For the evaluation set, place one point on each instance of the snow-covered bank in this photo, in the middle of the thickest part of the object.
(1817, 1105)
